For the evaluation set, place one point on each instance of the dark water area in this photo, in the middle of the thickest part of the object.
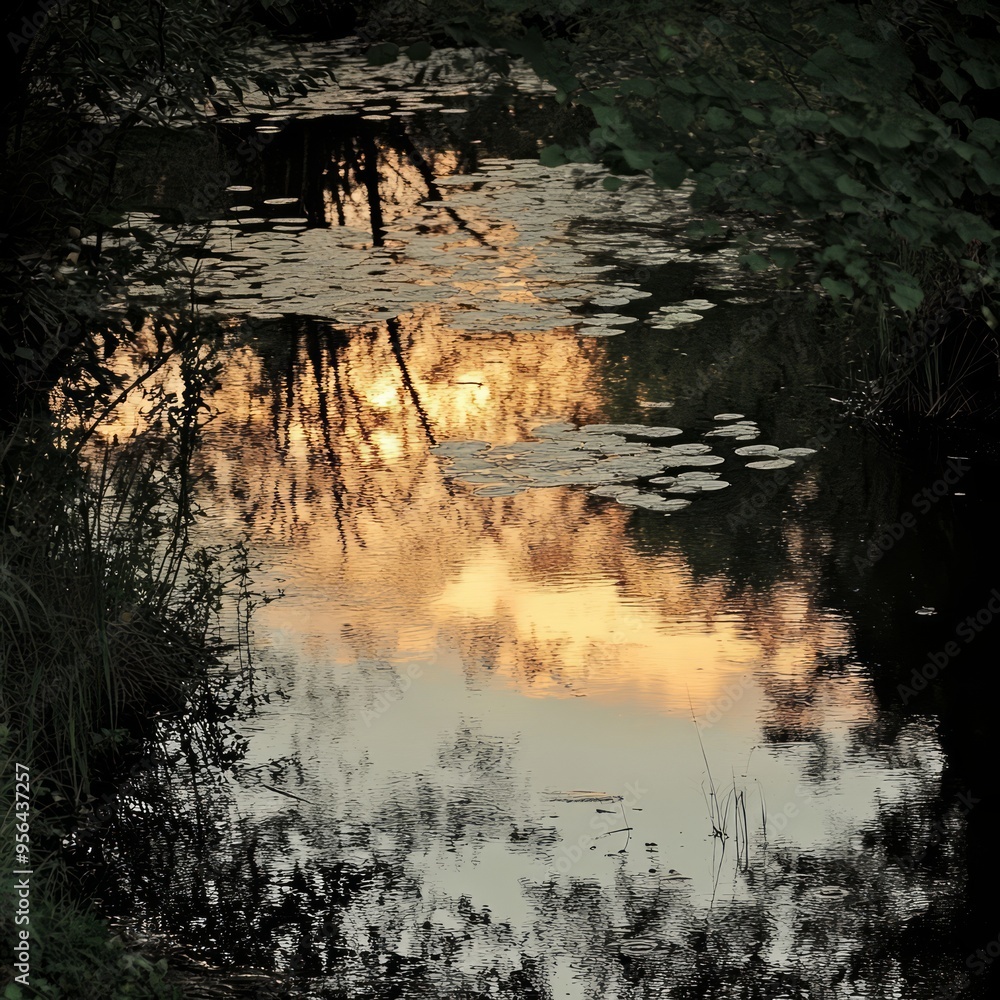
(614, 660)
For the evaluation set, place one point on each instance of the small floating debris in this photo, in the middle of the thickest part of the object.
(576, 795)
(637, 946)
(281, 201)
(239, 187)
(831, 892)
(649, 405)
(728, 416)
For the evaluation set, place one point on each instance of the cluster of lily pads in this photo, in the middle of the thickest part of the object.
(679, 314)
(769, 456)
(607, 458)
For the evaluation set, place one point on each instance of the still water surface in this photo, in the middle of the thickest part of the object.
(522, 739)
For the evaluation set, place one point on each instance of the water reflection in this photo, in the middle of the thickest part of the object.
(455, 668)
(451, 661)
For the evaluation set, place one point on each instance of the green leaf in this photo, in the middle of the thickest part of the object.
(849, 186)
(784, 257)
(988, 169)
(639, 159)
(754, 115)
(857, 48)
(24, 352)
(419, 51)
(906, 295)
(954, 81)
(670, 171)
(972, 227)
(699, 230)
(964, 149)
(986, 74)
(382, 54)
(891, 135)
(755, 261)
(838, 289)
(800, 118)
(552, 156)
(906, 229)
(676, 113)
(638, 85)
(847, 125)
(612, 183)
(719, 120)
(116, 22)
(985, 131)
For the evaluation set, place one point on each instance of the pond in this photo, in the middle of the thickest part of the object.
(612, 661)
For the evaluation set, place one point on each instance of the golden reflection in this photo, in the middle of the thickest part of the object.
(325, 456)
(321, 450)
(330, 461)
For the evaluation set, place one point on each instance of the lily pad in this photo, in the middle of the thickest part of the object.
(689, 448)
(757, 449)
(611, 492)
(771, 463)
(705, 485)
(694, 460)
(796, 452)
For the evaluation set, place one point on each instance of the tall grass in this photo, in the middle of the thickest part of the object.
(942, 362)
(110, 616)
(106, 608)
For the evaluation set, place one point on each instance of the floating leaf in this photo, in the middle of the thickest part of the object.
(757, 449)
